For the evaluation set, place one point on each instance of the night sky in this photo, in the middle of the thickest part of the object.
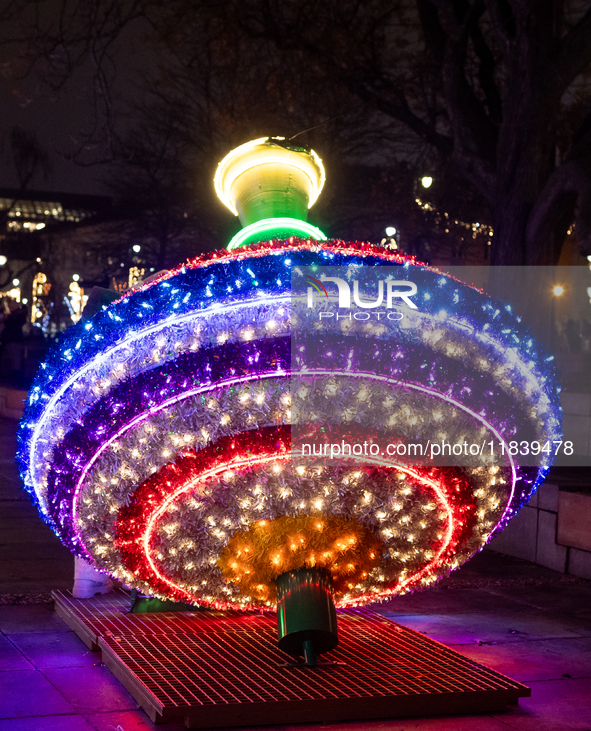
(60, 119)
(57, 122)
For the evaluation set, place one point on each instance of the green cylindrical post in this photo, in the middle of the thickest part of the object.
(271, 182)
(272, 193)
(306, 615)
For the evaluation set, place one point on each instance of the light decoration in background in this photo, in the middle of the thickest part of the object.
(135, 276)
(39, 283)
(477, 229)
(76, 299)
(156, 439)
(13, 294)
(39, 309)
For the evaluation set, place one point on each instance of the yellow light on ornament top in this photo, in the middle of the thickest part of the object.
(267, 179)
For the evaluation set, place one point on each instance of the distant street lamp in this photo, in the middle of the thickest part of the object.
(426, 181)
(137, 248)
(389, 241)
(557, 291)
(76, 277)
(16, 282)
(3, 260)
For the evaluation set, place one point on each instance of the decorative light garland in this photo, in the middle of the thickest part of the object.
(138, 417)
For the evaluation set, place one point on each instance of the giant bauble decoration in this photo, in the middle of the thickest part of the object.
(156, 437)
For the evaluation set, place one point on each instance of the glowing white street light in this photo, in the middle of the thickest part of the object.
(390, 231)
(137, 248)
(558, 290)
(16, 282)
(426, 181)
(3, 260)
(76, 277)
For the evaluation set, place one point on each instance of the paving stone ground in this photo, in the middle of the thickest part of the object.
(525, 621)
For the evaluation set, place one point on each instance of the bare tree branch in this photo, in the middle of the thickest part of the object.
(503, 23)
(573, 55)
(473, 132)
(569, 186)
(390, 100)
(567, 189)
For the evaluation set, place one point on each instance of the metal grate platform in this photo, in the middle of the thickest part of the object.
(217, 669)
(109, 614)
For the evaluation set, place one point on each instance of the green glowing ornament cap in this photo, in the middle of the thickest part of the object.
(270, 184)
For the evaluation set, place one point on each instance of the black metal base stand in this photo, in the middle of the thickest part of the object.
(306, 615)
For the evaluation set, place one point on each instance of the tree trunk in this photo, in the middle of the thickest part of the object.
(510, 219)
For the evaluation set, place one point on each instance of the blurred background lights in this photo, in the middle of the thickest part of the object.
(76, 277)
(16, 282)
(426, 181)
(137, 248)
(3, 260)
(390, 231)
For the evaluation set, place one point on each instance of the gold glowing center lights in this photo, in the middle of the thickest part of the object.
(307, 166)
(253, 558)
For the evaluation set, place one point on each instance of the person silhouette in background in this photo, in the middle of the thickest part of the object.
(11, 338)
(573, 336)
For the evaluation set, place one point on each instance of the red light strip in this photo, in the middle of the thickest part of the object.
(137, 522)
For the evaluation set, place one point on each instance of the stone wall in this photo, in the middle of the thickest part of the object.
(553, 530)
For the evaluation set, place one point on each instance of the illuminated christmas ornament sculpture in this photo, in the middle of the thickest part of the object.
(157, 436)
